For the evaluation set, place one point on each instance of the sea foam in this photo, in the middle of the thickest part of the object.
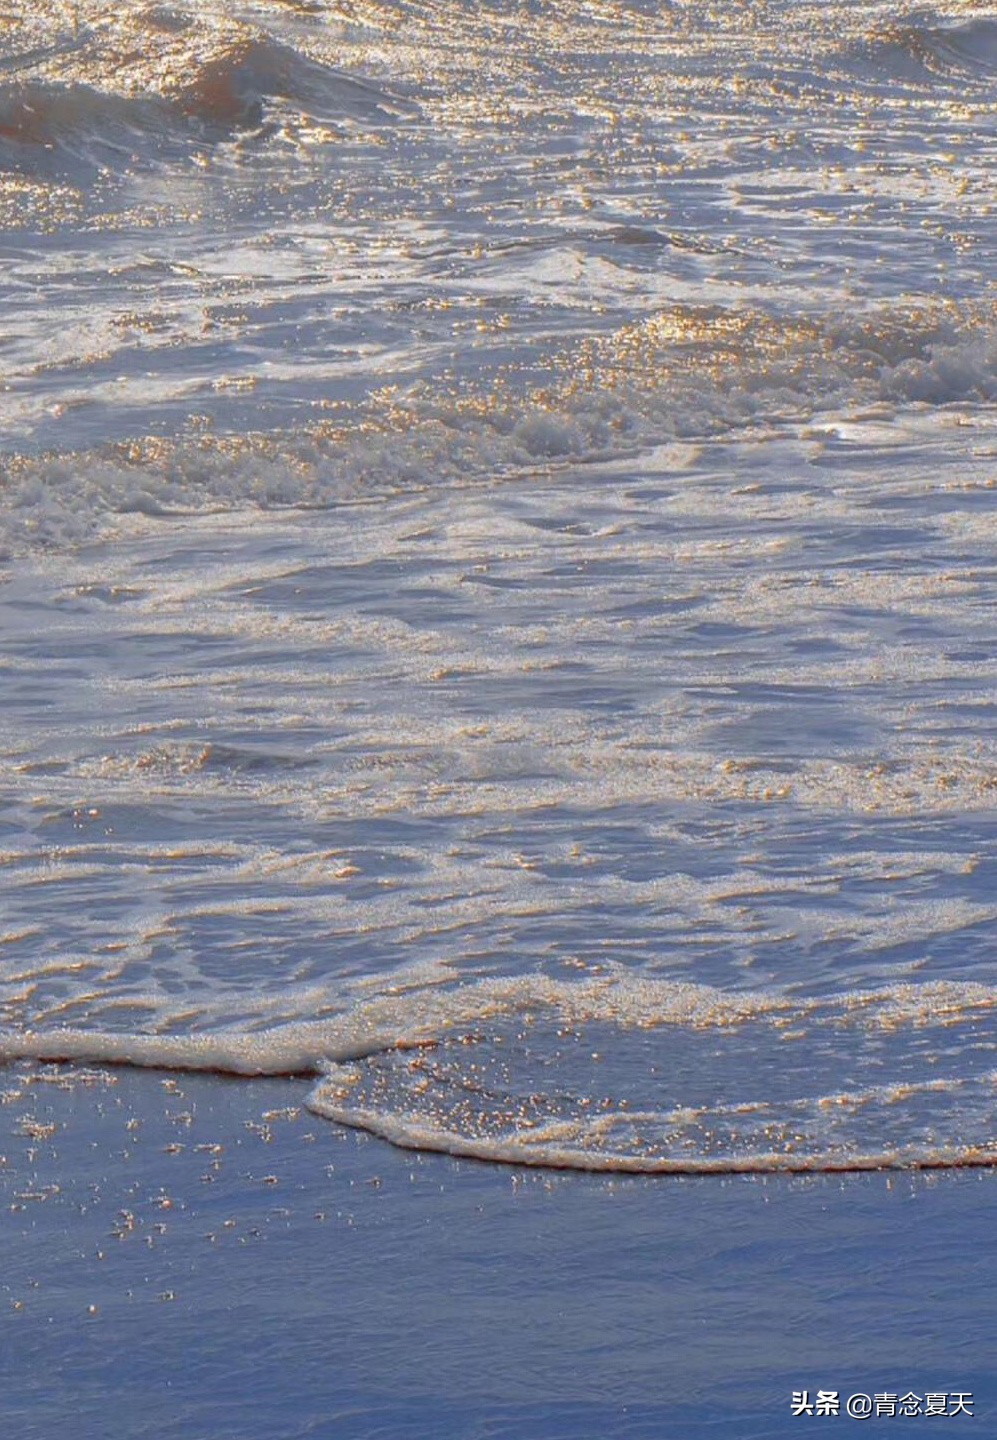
(502, 1069)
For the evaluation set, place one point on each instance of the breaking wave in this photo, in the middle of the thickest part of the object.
(139, 87)
(683, 374)
(958, 50)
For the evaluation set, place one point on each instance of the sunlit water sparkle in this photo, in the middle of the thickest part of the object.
(497, 542)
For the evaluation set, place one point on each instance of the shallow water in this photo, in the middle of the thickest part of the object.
(497, 529)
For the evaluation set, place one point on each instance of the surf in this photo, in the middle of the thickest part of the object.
(502, 1070)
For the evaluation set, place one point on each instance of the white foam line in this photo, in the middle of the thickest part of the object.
(285, 1050)
(410, 1135)
(395, 1020)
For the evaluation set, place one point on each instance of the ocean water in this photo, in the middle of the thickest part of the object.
(497, 642)
(498, 568)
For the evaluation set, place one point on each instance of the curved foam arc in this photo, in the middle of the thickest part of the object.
(780, 1142)
(539, 1153)
(468, 1092)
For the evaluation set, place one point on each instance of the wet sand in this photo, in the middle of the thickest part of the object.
(189, 1256)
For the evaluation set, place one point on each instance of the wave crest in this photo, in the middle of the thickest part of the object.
(126, 88)
(961, 50)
